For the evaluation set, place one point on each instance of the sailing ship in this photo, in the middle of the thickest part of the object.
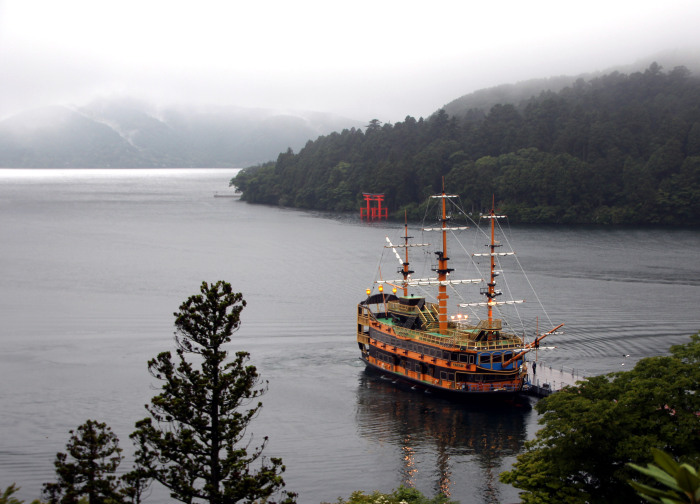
(408, 337)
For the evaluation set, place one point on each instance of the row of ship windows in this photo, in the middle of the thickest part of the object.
(444, 375)
(415, 366)
(443, 354)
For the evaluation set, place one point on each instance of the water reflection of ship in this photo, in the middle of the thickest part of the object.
(416, 423)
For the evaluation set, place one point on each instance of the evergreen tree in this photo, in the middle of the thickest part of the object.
(594, 430)
(194, 446)
(88, 469)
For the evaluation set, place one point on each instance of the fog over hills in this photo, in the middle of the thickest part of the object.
(518, 93)
(127, 133)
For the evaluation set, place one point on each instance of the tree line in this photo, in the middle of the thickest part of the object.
(617, 149)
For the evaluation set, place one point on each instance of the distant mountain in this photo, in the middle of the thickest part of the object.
(128, 133)
(477, 104)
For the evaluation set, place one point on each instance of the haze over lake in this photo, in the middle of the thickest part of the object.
(95, 262)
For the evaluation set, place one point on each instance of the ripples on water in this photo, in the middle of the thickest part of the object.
(95, 263)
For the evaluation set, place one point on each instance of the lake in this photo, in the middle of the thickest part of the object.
(95, 262)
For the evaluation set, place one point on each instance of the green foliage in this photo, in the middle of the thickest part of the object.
(619, 149)
(88, 468)
(402, 495)
(592, 431)
(6, 497)
(194, 448)
(681, 481)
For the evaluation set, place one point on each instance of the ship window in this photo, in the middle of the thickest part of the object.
(484, 358)
(464, 358)
(471, 359)
(496, 358)
(507, 356)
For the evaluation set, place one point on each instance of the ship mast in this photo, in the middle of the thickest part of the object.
(490, 290)
(492, 293)
(442, 269)
(405, 271)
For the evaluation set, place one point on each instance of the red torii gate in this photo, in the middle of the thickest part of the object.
(373, 213)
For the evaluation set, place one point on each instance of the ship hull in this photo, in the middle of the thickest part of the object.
(460, 396)
(455, 372)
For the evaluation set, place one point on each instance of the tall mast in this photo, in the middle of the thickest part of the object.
(442, 269)
(406, 272)
(492, 283)
(490, 291)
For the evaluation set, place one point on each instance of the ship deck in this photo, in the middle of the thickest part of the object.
(462, 337)
(546, 379)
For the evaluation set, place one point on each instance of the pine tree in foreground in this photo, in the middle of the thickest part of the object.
(193, 442)
(88, 468)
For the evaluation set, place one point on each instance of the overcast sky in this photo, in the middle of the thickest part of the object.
(364, 59)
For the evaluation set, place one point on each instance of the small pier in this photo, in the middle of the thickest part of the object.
(545, 379)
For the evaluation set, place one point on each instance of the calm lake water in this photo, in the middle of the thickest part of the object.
(95, 262)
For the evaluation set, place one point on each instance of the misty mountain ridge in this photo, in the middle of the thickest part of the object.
(480, 102)
(128, 133)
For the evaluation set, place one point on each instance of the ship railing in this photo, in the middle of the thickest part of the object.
(455, 340)
(428, 314)
(395, 306)
(364, 315)
(363, 337)
(495, 345)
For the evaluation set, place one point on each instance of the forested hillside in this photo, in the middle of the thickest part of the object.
(617, 149)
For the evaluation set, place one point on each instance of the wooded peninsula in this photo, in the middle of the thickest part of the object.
(616, 149)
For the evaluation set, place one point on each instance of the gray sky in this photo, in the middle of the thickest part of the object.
(366, 59)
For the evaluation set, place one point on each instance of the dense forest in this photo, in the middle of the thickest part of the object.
(617, 149)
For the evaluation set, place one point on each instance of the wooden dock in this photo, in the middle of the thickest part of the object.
(545, 378)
